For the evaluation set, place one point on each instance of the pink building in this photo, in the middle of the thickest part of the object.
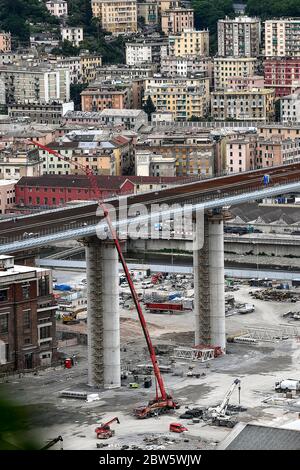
(240, 154)
(5, 42)
(245, 83)
(7, 195)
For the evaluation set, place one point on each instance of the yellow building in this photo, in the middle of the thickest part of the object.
(89, 64)
(243, 105)
(116, 16)
(189, 42)
(182, 96)
(176, 20)
(228, 67)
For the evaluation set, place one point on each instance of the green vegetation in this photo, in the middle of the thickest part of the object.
(207, 14)
(149, 107)
(273, 8)
(75, 90)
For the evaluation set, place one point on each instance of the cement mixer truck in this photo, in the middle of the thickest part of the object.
(287, 385)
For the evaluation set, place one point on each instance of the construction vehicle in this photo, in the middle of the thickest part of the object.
(163, 402)
(104, 432)
(53, 442)
(69, 318)
(177, 427)
(218, 414)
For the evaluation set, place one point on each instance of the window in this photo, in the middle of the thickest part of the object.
(26, 291)
(45, 332)
(26, 319)
(4, 323)
(3, 295)
(27, 341)
(44, 285)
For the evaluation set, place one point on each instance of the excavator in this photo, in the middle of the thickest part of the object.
(163, 402)
(104, 432)
(218, 414)
(53, 442)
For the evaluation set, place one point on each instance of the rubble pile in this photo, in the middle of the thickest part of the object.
(274, 295)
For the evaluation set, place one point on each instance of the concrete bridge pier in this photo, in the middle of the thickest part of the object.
(209, 282)
(103, 319)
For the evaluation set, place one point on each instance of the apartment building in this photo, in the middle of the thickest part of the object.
(27, 317)
(145, 51)
(277, 151)
(189, 42)
(148, 163)
(5, 42)
(90, 64)
(116, 16)
(186, 66)
(246, 105)
(35, 84)
(239, 37)
(182, 96)
(282, 74)
(72, 34)
(176, 20)
(148, 10)
(282, 37)
(245, 83)
(194, 152)
(227, 67)
(57, 8)
(282, 130)
(290, 109)
(43, 113)
(240, 154)
(7, 195)
(125, 118)
(109, 95)
(17, 163)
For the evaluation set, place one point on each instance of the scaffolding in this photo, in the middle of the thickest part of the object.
(193, 354)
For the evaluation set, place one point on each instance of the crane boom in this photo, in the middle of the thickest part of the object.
(93, 180)
(221, 409)
(111, 421)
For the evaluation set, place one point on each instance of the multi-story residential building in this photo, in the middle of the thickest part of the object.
(90, 64)
(17, 163)
(27, 317)
(194, 152)
(35, 84)
(290, 109)
(226, 67)
(149, 164)
(177, 20)
(186, 66)
(240, 154)
(57, 7)
(110, 94)
(283, 74)
(184, 97)
(116, 16)
(125, 118)
(245, 83)
(53, 190)
(148, 10)
(245, 105)
(72, 34)
(126, 72)
(145, 51)
(189, 42)
(277, 151)
(5, 42)
(43, 113)
(239, 37)
(282, 37)
(7, 195)
(284, 131)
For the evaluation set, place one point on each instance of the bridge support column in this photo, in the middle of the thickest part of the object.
(103, 319)
(209, 283)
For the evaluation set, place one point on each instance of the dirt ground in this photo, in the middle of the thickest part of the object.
(257, 366)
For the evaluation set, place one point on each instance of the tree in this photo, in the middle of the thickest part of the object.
(149, 107)
(66, 49)
(75, 90)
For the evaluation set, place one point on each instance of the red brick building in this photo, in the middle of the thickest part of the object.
(27, 317)
(282, 74)
(55, 190)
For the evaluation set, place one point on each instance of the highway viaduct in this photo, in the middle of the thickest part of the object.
(80, 222)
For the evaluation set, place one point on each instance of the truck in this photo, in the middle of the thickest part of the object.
(164, 307)
(287, 385)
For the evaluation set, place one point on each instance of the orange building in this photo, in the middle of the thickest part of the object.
(98, 97)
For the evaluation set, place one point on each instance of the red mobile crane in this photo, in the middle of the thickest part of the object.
(104, 432)
(162, 401)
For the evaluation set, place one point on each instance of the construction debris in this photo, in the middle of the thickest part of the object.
(274, 295)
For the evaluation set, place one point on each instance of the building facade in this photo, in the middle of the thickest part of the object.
(246, 105)
(290, 109)
(57, 8)
(282, 37)
(140, 52)
(176, 20)
(72, 34)
(282, 74)
(116, 16)
(27, 317)
(111, 95)
(227, 67)
(43, 113)
(186, 66)
(7, 195)
(239, 37)
(5, 42)
(17, 163)
(148, 10)
(189, 42)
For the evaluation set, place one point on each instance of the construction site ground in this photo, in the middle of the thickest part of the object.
(257, 366)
